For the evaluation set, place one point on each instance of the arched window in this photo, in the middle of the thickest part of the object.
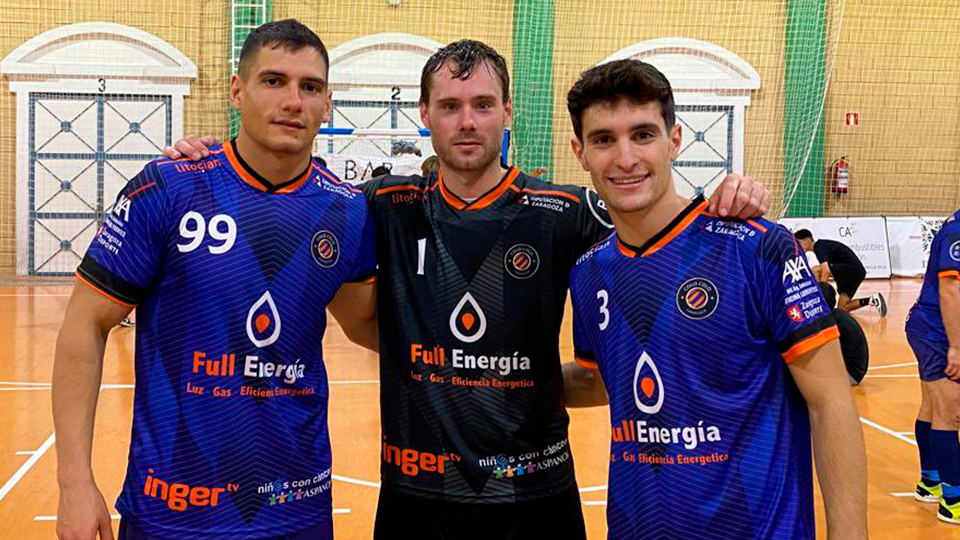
(712, 88)
(95, 102)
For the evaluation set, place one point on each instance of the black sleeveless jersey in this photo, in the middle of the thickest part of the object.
(470, 297)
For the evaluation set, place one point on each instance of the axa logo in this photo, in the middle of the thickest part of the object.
(121, 208)
(467, 321)
(648, 388)
(795, 268)
(263, 322)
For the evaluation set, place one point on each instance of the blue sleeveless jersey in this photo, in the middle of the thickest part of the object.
(924, 320)
(231, 281)
(692, 334)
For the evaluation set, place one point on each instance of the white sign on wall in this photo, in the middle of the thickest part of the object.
(867, 237)
(358, 169)
(910, 239)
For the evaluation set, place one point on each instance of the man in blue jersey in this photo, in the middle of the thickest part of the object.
(714, 344)
(933, 331)
(229, 432)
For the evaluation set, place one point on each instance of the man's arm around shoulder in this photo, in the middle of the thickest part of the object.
(355, 308)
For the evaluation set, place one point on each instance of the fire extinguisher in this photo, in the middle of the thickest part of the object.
(840, 175)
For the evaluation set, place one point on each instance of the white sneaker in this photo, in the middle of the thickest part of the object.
(878, 301)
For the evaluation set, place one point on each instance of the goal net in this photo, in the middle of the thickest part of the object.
(90, 90)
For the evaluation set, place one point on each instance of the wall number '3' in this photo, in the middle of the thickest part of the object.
(193, 227)
(604, 299)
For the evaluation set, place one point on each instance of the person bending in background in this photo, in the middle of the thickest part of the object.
(840, 262)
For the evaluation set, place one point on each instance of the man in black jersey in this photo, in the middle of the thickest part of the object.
(473, 278)
(840, 262)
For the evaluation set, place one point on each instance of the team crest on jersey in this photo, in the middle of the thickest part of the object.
(263, 321)
(467, 321)
(647, 385)
(325, 249)
(697, 298)
(955, 251)
(521, 261)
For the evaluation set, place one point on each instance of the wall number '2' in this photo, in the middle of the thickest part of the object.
(193, 227)
(604, 299)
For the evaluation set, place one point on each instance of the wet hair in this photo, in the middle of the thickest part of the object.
(629, 79)
(290, 34)
(464, 57)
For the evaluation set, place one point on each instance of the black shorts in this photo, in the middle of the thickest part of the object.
(406, 517)
(848, 278)
(322, 531)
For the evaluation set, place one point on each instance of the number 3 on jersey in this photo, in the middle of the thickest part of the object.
(222, 228)
(604, 312)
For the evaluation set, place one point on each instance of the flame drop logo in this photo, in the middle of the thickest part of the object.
(262, 317)
(647, 386)
(467, 321)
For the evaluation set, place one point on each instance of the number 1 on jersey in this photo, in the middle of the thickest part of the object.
(604, 299)
(421, 253)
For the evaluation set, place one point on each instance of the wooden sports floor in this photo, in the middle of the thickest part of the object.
(887, 399)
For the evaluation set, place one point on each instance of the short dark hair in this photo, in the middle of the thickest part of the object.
(628, 79)
(465, 56)
(803, 234)
(290, 34)
(380, 170)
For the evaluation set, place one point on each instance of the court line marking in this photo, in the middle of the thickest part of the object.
(25, 383)
(34, 295)
(903, 376)
(25, 452)
(888, 366)
(592, 489)
(903, 494)
(27, 465)
(116, 517)
(349, 480)
(890, 432)
(594, 503)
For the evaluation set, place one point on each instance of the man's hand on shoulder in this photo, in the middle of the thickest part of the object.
(740, 197)
(191, 147)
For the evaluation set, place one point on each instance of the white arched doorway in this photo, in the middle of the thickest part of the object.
(95, 102)
(712, 88)
(376, 92)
